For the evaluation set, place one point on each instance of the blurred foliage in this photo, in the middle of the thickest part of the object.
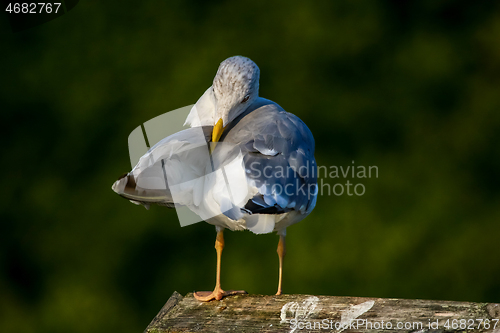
(409, 86)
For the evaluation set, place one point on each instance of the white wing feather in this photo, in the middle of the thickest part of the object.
(202, 113)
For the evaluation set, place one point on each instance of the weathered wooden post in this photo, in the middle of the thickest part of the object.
(306, 313)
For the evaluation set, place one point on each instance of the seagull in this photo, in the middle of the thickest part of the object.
(244, 163)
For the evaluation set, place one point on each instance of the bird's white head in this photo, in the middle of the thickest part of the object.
(236, 86)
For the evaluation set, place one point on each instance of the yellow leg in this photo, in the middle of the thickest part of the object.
(219, 246)
(281, 254)
(218, 293)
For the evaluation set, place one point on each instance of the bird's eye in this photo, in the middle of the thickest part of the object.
(245, 99)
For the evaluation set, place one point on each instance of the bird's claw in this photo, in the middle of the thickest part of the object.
(217, 294)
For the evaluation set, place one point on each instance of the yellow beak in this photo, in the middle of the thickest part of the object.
(217, 131)
(216, 134)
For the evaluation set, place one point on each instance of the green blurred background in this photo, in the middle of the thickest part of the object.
(412, 87)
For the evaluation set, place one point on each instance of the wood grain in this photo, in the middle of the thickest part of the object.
(307, 313)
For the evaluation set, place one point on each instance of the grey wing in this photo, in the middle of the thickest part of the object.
(173, 160)
(278, 150)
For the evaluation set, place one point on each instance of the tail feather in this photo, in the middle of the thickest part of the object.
(126, 187)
